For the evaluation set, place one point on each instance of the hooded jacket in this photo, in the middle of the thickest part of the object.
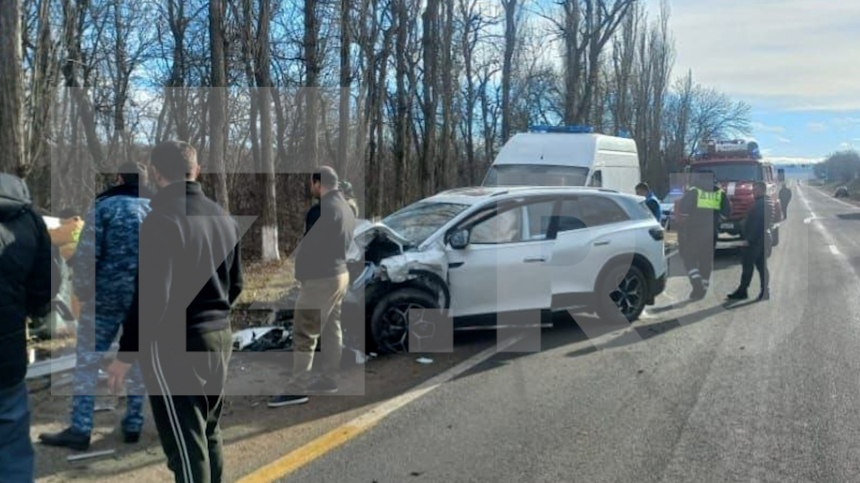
(104, 268)
(26, 271)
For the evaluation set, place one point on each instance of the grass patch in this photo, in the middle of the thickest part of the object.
(266, 283)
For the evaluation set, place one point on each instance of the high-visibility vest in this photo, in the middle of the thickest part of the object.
(709, 200)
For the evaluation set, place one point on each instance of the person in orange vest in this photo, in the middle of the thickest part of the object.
(66, 237)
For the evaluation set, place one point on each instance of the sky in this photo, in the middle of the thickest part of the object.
(796, 62)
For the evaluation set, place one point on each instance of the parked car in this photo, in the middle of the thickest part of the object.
(841, 192)
(476, 251)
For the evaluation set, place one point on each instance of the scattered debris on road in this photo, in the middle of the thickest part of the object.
(424, 360)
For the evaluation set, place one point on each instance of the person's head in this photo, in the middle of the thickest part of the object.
(642, 189)
(704, 180)
(131, 173)
(759, 189)
(323, 180)
(67, 213)
(173, 161)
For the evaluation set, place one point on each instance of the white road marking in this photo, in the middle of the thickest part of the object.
(831, 243)
(834, 250)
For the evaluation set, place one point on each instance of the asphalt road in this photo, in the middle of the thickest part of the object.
(695, 392)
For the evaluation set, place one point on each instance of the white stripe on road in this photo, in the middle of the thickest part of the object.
(814, 219)
(834, 250)
(172, 416)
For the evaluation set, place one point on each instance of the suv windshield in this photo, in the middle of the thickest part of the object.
(418, 221)
(535, 175)
(732, 172)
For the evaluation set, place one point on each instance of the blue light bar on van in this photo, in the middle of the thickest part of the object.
(562, 129)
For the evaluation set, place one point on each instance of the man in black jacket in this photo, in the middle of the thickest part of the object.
(756, 232)
(700, 210)
(189, 277)
(321, 270)
(27, 271)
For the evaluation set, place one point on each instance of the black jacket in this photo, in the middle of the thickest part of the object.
(757, 223)
(190, 269)
(25, 275)
(329, 229)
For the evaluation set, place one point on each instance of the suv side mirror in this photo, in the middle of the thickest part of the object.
(459, 239)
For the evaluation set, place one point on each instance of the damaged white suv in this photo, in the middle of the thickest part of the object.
(479, 251)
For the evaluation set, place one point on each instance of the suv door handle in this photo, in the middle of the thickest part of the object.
(602, 243)
(534, 259)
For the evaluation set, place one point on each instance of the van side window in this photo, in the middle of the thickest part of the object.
(597, 179)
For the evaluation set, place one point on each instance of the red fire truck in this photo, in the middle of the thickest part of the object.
(736, 166)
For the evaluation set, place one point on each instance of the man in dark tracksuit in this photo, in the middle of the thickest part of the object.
(321, 269)
(29, 279)
(758, 247)
(701, 208)
(784, 199)
(189, 278)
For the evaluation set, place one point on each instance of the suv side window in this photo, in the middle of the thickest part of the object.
(589, 211)
(539, 218)
(503, 227)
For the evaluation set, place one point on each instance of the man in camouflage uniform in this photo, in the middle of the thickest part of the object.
(105, 268)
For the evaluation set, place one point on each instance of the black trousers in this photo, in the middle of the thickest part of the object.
(754, 257)
(698, 257)
(187, 395)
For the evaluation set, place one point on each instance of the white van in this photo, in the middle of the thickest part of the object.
(566, 156)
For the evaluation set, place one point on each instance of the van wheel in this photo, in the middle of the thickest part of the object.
(623, 293)
(775, 235)
(389, 323)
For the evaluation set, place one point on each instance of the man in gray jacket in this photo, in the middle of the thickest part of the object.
(321, 270)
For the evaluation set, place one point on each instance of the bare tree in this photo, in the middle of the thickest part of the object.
(510, 7)
(312, 73)
(12, 95)
(218, 101)
(264, 90)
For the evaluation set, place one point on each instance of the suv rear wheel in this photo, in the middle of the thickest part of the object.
(623, 293)
(389, 322)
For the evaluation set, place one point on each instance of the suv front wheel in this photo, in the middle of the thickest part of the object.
(623, 292)
(390, 319)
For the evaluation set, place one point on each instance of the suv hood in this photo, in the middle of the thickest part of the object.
(406, 264)
(366, 232)
(14, 196)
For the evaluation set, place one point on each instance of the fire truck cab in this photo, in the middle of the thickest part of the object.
(736, 166)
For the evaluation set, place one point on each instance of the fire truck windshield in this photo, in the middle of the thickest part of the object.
(732, 171)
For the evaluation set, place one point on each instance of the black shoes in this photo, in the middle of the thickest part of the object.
(280, 401)
(323, 386)
(738, 295)
(67, 438)
(698, 294)
(129, 437)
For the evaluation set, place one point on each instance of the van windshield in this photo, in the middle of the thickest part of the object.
(732, 171)
(535, 175)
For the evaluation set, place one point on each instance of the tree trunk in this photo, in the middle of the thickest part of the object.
(312, 68)
(510, 7)
(12, 92)
(401, 121)
(430, 43)
(345, 86)
(218, 102)
(268, 180)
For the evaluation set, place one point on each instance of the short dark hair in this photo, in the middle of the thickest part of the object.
(643, 186)
(327, 177)
(175, 160)
(132, 173)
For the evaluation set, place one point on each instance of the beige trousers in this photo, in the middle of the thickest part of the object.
(317, 315)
